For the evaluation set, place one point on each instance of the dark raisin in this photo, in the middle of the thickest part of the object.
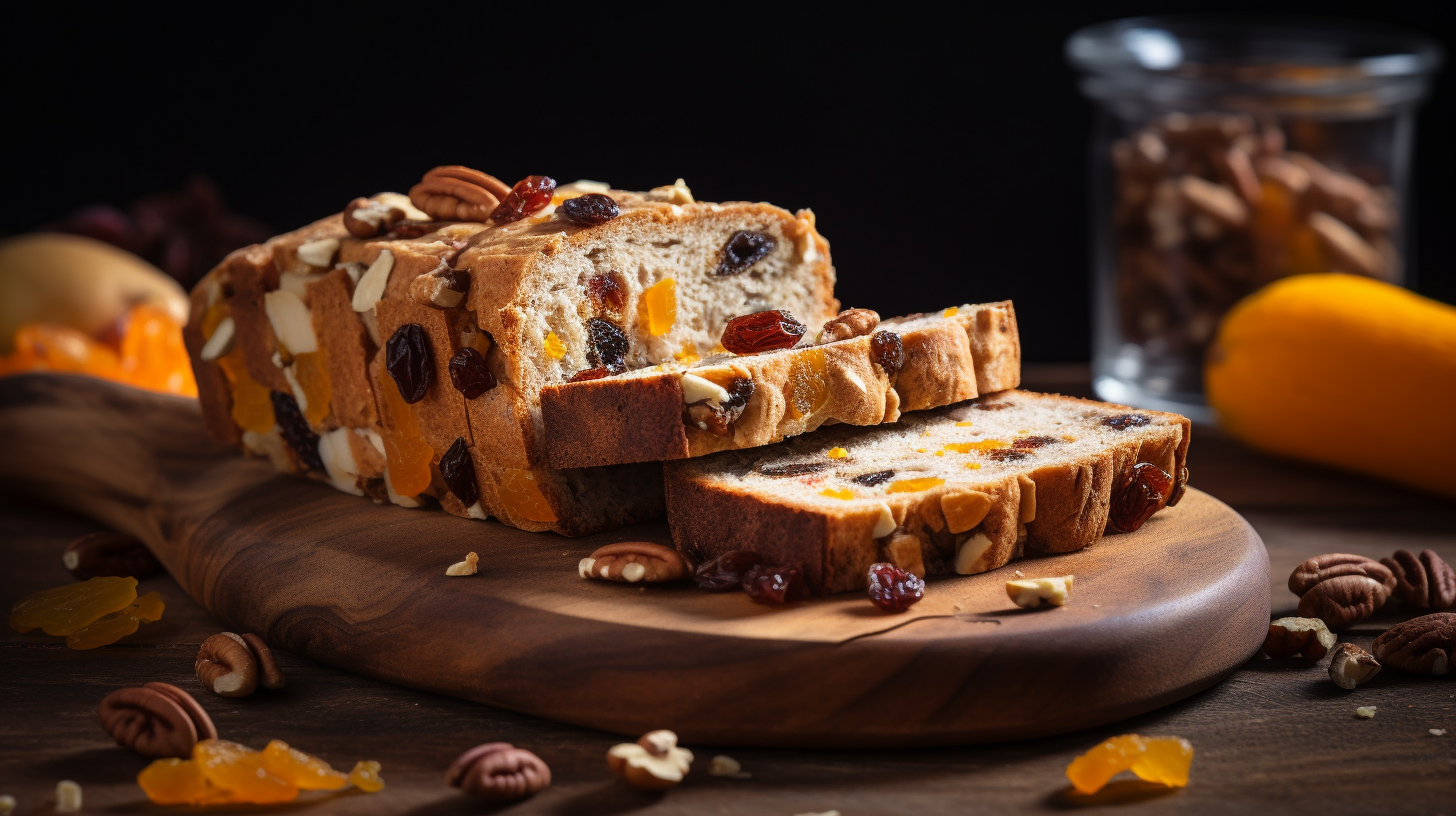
(470, 374)
(743, 250)
(606, 344)
(590, 374)
(413, 229)
(606, 293)
(774, 585)
(762, 331)
(458, 470)
(875, 479)
(1124, 421)
(726, 571)
(1034, 442)
(720, 420)
(893, 589)
(1144, 492)
(295, 431)
(889, 351)
(1007, 455)
(589, 210)
(408, 359)
(793, 469)
(531, 194)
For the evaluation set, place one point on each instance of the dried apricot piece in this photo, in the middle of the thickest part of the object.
(365, 776)
(178, 782)
(110, 628)
(659, 306)
(522, 496)
(306, 771)
(914, 485)
(252, 403)
(1164, 760)
(807, 388)
(240, 771)
(153, 355)
(311, 371)
(54, 347)
(405, 449)
(65, 609)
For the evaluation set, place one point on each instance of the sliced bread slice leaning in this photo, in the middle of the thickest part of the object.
(963, 489)
(730, 402)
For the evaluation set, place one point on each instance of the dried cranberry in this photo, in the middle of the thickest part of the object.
(889, 351)
(590, 374)
(606, 344)
(606, 292)
(720, 420)
(893, 589)
(1144, 492)
(726, 571)
(458, 470)
(470, 374)
(743, 250)
(1007, 455)
(1034, 442)
(793, 469)
(1124, 421)
(875, 479)
(589, 210)
(413, 229)
(531, 194)
(408, 360)
(295, 431)
(774, 585)
(762, 331)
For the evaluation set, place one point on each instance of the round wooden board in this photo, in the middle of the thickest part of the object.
(1155, 615)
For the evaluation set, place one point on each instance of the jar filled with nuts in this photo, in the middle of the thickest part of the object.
(1227, 155)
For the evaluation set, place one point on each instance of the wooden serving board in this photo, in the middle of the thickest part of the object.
(1155, 616)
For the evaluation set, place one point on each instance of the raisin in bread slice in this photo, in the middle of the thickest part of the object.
(959, 489)
(728, 401)
(289, 339)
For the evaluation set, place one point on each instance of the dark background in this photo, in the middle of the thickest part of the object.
(945, 157)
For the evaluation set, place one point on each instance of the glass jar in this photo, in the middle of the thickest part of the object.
(1226, 155)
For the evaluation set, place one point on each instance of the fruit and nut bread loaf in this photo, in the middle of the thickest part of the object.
(399, 349)
(772, 381)
(959, 489)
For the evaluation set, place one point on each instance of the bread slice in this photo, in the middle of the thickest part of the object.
(647, 415)
(961, 489)
(306, 316)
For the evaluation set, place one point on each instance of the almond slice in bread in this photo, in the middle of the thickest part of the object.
(963, 488)
(665, 412)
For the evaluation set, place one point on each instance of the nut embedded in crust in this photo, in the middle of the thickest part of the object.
(500, 772)
(226, 666)
(440, 288)
(654, 762)
(1299, 636)
(634, 562)
(366, 218)
(850, 323)
(1352, 666)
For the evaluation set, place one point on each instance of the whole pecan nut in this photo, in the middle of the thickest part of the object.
(366, 218)
(226, 666)
(1424, 582)
(455, 193)
(635, 561)
(500, 772)
(850, 323)
(108, 553)
(157, 720)
(1424, 645)
(1324, 567)
(1343, 600)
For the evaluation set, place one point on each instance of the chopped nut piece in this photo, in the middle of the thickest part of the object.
(675, 193)
(466, 567)
(1299, 636)
(440, 288)
(1365, 712)
(68, 797)
(721, 765)
(370, 288)
(1030, 593)
(850, 323)
(320, 252)
(366, 218)
(1352, 666)
(654, 762)
(1437, 732)
(885, 524)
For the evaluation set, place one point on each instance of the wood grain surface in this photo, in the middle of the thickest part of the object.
(1156, 615)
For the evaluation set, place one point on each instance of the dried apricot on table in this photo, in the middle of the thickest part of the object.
(240, 771)
(178, 782)
(65, 609)
(305, 771)
(1164, 760)
(365, 776)
(110, 628)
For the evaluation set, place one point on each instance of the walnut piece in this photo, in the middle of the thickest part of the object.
(1423, 645)
(1308, 637)
(366, 218)
(440, 288)
(1030, 593)
(654, 762)
(466, 567)
(850, 323)
(1352, 666)
(635, 561)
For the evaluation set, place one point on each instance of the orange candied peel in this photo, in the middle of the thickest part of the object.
(1164, 760)
(659, 306)
(66, 609)
(148, 354)
(226, 772)
(914, 485)
(405, 449)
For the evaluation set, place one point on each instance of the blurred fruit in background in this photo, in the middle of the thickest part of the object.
(1345, 371)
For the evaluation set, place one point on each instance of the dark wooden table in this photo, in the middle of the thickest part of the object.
(1276, 736)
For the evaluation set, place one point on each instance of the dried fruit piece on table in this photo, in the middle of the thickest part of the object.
(1164, 760)
(606, 344)
(499, 772)
(1422, 582)
(1142, 493)
(634, 561)
(304, 771)
(762, 331)
(1308, 637)
(152, 353)
(1351, 666)
(726, 571)
(226, 666)
(1030, 593)
(889, 351)
(653, 762)
(365, 776)
(530, 194)
(108, 553)
(222, 771)
(589, 210)
(458, 470)
(893, 589)
(775, 586)
(153, 722)
(410, 363)
(65, 609)
(1424, 645)
(241, 772)
(469, 373)
(179, 782)
(742, 250)
(108, 629)
(295, 431)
